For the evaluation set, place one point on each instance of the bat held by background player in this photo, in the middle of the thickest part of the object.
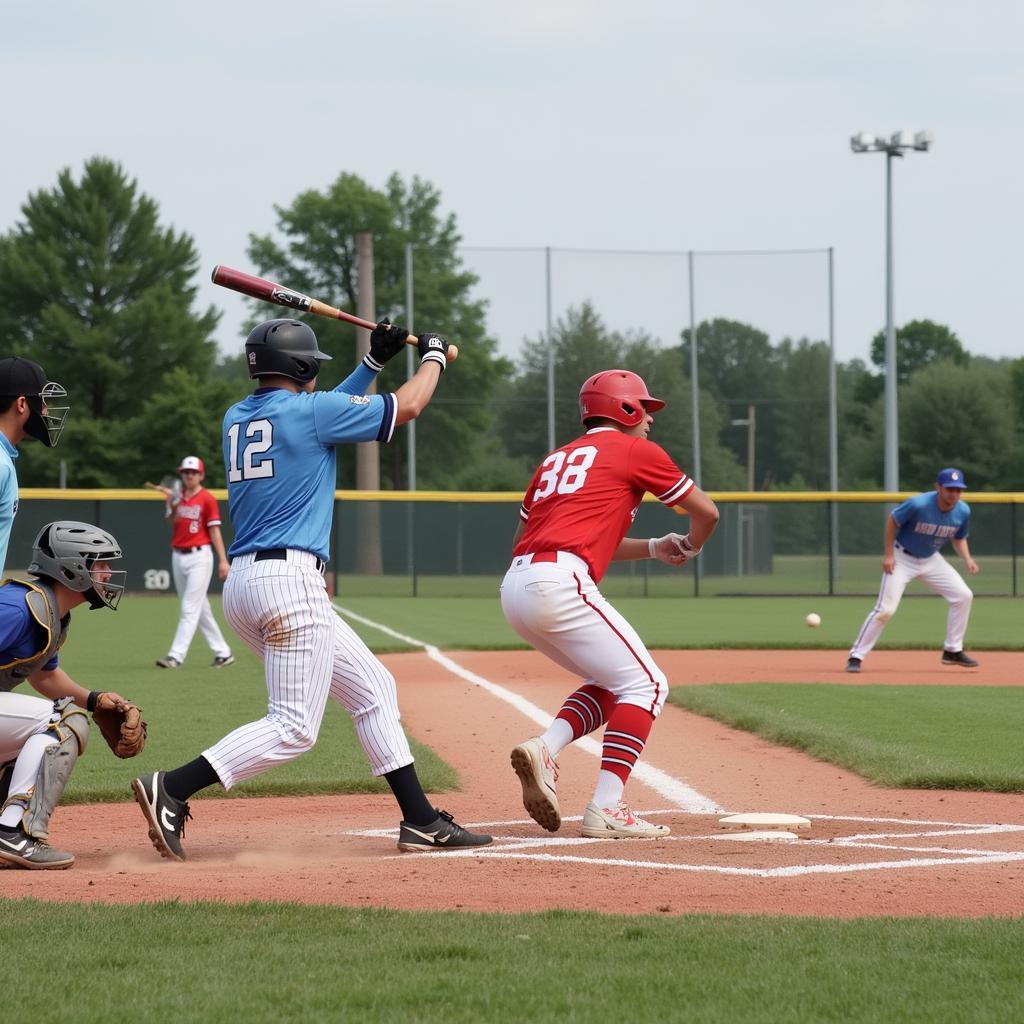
(261, 288)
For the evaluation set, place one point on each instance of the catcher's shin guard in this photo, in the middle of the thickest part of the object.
(72, 731)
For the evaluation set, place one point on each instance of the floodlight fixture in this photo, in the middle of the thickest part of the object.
(897, 144)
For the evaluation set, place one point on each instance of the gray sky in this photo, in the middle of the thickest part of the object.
(653, 125)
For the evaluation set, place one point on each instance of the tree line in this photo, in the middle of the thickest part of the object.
(98, 290)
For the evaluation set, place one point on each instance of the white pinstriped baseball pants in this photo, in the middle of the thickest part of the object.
(280, 608)
(557, 608)
(939, 576)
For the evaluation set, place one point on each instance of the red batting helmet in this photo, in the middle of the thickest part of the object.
(616, 395)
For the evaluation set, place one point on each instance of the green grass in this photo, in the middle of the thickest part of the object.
(918, 737)
(473, 623)
(272, 963)
(796, 575)
(190, 708)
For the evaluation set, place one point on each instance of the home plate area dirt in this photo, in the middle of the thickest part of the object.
(868, 851)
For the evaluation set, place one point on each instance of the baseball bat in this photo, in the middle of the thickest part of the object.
(260, 288)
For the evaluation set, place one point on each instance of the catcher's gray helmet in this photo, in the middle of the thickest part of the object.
(66, 551)
(287, 348)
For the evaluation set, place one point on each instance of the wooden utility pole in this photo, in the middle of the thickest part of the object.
(369, 557)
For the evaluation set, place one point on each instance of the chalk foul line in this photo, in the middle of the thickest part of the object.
(674, 790)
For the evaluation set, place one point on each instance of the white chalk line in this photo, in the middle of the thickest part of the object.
(667, 787)
(687, 800)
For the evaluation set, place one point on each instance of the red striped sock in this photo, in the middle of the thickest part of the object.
(587, 709)
(625, 738)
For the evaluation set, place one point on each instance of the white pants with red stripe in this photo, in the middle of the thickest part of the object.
(556, 607)
(936, 573)
(280, 608)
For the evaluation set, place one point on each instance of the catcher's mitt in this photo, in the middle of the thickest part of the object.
(121, 724)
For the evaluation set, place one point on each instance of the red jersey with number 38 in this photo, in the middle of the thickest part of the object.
(585, 495)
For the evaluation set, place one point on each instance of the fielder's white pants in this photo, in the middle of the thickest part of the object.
(280, 608)
(940, 577)
(193, 571)
(557, 608)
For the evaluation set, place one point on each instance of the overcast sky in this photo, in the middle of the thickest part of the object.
(650, 125)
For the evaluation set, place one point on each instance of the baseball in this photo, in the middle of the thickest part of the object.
(813, 620)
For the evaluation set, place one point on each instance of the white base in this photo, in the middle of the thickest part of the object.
(763, 821)
(774, 836)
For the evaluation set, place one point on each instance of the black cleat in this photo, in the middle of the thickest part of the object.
(853, 665)
(166, 816)
(24, 851)
(442, 834)
(958, 658)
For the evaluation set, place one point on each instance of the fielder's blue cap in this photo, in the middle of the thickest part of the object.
(951, 477)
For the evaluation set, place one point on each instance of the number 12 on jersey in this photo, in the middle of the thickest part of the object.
(259, 435)
(564, 473)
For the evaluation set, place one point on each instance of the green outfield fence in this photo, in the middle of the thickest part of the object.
(457, 544)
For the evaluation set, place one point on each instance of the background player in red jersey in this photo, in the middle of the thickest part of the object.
(573, 523)
(195, 537)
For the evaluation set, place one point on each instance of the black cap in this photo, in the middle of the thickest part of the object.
(21, 377)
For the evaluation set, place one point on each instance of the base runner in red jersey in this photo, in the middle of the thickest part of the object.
(580, 504)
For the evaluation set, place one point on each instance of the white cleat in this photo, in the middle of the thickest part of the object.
(618, 823)
(538, 773)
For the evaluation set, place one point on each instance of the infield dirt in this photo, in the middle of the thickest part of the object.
(870, 851)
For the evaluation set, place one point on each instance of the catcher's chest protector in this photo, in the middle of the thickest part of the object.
(42, 605)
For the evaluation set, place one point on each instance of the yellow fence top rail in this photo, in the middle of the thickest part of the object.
(749, 497)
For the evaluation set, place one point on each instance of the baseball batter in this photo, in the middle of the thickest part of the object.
(914, 533)
(280, 453)
(195, 536)
(573, 522)
(42, 737)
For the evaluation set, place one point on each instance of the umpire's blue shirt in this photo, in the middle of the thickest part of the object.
(924, 527)
(8, 495)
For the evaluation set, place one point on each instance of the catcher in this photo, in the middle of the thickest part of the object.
(41, 739)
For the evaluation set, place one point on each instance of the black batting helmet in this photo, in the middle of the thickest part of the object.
(287, 348)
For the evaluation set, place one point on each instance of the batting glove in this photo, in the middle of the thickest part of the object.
(386, 341)
(673, 548)
(433, 348)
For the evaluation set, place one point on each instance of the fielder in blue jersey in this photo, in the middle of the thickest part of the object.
(280, 452)
(24, 393)
(914, 533)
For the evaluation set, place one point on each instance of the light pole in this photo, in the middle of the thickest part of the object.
(896, 145)
(751, 424)
(742, 517)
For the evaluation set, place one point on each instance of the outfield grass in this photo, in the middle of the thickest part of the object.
(471, 623)
(796, 575)
(191, 707)
(914, 737)
(194, 706)
(271, 963)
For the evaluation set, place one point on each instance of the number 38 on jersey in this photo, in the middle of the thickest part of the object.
(564, 472)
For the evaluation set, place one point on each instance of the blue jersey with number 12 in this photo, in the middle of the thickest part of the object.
(279, 451)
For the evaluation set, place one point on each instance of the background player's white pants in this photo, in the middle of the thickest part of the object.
(282, 611)
(557, 608)
(940, 576)
(192, 574)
